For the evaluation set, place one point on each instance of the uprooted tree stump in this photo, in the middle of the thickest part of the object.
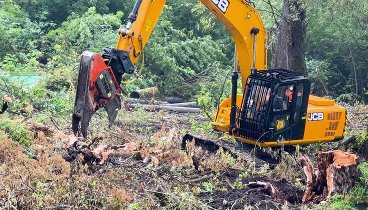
(336, 173)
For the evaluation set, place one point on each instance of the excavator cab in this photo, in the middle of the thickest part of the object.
(274, 106)
(276, 109)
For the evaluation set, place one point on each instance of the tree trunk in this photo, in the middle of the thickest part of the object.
(288, 52)
(336, 173)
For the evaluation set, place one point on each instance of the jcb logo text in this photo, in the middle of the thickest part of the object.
(222, 4)
(315, 116)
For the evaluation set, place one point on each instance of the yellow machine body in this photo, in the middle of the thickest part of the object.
(331, 128)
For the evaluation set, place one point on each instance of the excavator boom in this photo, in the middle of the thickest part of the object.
(238, 16)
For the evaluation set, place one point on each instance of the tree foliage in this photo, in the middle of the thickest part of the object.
(189, 60)
(338, 39)
(189, 51)
(90, 31)
(18, 34)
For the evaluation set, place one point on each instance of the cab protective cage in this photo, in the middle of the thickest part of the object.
(258, 117)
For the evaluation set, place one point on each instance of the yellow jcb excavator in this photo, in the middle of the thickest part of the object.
(274, 109)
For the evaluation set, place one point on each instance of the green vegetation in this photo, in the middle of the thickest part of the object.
(337, 44)
(16, 131)
(190, 53)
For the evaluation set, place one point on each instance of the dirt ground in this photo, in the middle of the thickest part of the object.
(142, 167)
(216, 181)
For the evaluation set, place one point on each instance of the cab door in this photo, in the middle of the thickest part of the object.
(288, 111)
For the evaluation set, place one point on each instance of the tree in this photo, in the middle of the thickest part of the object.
(337, 39)
(288, 51)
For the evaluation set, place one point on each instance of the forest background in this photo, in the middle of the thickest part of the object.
(189, 54)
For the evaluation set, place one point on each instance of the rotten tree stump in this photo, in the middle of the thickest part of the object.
(335, 173)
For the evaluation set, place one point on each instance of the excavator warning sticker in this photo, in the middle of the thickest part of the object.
(222, 4)
(318, 116)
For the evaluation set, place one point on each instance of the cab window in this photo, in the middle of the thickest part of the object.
(299, 101)
(284, 98)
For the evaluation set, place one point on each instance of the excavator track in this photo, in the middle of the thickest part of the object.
(246, 152)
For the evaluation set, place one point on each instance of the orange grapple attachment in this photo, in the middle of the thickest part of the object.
(96, 88)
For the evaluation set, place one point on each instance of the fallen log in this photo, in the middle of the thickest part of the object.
(346, 141)
(174, 100)
(168, 108)
(172, 108)
(154, 102)
(143, 101)
(187, 104)
(200, 179)
(147, 93)
(335, 173)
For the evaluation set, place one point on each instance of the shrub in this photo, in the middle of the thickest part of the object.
(16, 131)
(90, 31)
